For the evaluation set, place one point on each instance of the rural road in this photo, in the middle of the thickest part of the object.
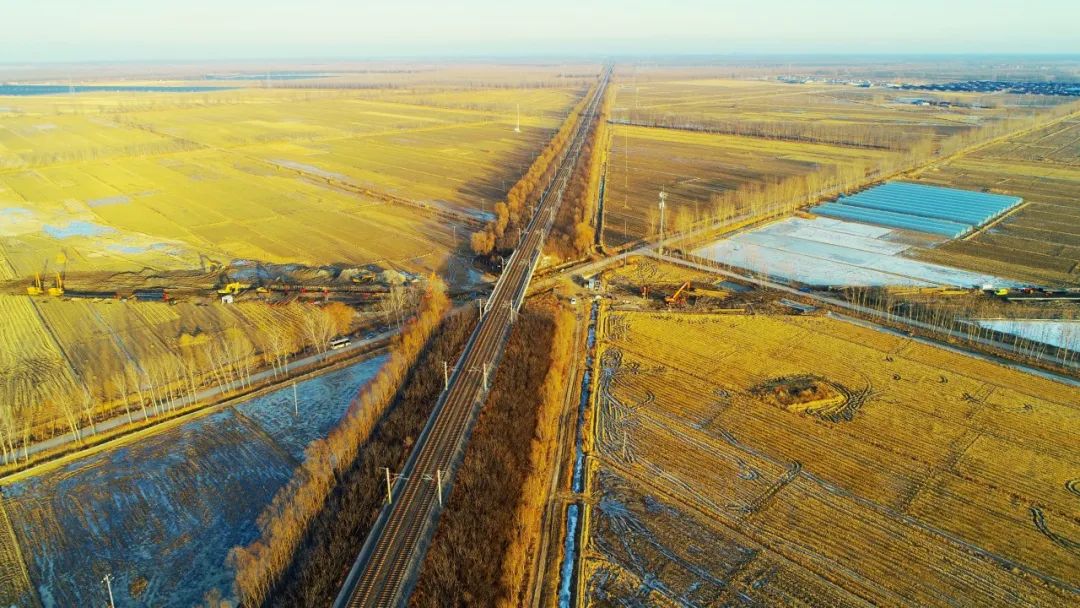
(877, 313)
(386, 566)
(208, 394)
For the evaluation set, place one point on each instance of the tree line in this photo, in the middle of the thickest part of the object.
(513, 214)
(574, 233)
(126, 377)
(501, 488)
(284, 524)
(860, 135)
(956, 318)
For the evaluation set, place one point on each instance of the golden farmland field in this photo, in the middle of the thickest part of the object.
(805, 460)
(1041, 241)
(122, 181)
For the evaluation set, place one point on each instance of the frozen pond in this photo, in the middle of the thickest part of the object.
(76, 228)
(1063, 334)
(823, 251)
(160, 514)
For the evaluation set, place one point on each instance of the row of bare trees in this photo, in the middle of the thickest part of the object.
(501, 487)
(261, 564)
(142, 380)
(521, 554)
(574, 232)
(512, 215)
(861, 135)
(958, 318)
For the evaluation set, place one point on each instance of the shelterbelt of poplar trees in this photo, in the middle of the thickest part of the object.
(502, 487)
(512, 214)
(283, 524)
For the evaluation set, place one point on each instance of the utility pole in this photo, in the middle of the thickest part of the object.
(108, 585)
(480, 303)
(446, 376)
(485, 368)
(389, 496)
(626, 161)
(295, 401)
(663, 205)
(438, 478)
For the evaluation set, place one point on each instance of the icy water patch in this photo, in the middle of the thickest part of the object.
(1060, 333)
(76, 228)
(829, 252)
(567, 571)
(161, 514)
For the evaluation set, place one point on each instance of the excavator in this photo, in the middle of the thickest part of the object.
(679, 297)
(688, 290)
(57, 289)
(38, 287)
(233, 288)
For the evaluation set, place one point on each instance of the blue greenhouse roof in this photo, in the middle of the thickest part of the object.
(945, 211)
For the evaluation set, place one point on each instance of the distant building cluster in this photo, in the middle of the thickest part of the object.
(1065, 89)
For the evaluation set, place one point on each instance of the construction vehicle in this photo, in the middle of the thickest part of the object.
(36, 289)
(688, 290)
(210, 265)
(58, 287)
(363, 275)
(233, 288)
(680, 295)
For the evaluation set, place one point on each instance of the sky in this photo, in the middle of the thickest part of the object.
(158, 30)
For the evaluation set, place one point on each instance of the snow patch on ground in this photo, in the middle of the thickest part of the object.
(161, 514)
(830, 252)
(1060, 333)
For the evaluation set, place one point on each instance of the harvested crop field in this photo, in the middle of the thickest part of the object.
(1040, 242)
(160, 514)
(804, 460)
(126, 181)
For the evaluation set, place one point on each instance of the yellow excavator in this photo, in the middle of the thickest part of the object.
(58, 288)
(36, 289)
(679, 297)
(233, 288)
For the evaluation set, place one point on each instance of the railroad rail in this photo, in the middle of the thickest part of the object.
(386, 568)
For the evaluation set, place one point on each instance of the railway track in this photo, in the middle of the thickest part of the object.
(386, 567)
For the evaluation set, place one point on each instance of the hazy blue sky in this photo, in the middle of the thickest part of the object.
(66, 30)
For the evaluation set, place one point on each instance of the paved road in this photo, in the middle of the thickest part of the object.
(206, 395)
(385, 569)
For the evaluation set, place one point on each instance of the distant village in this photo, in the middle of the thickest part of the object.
(1067, 89)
